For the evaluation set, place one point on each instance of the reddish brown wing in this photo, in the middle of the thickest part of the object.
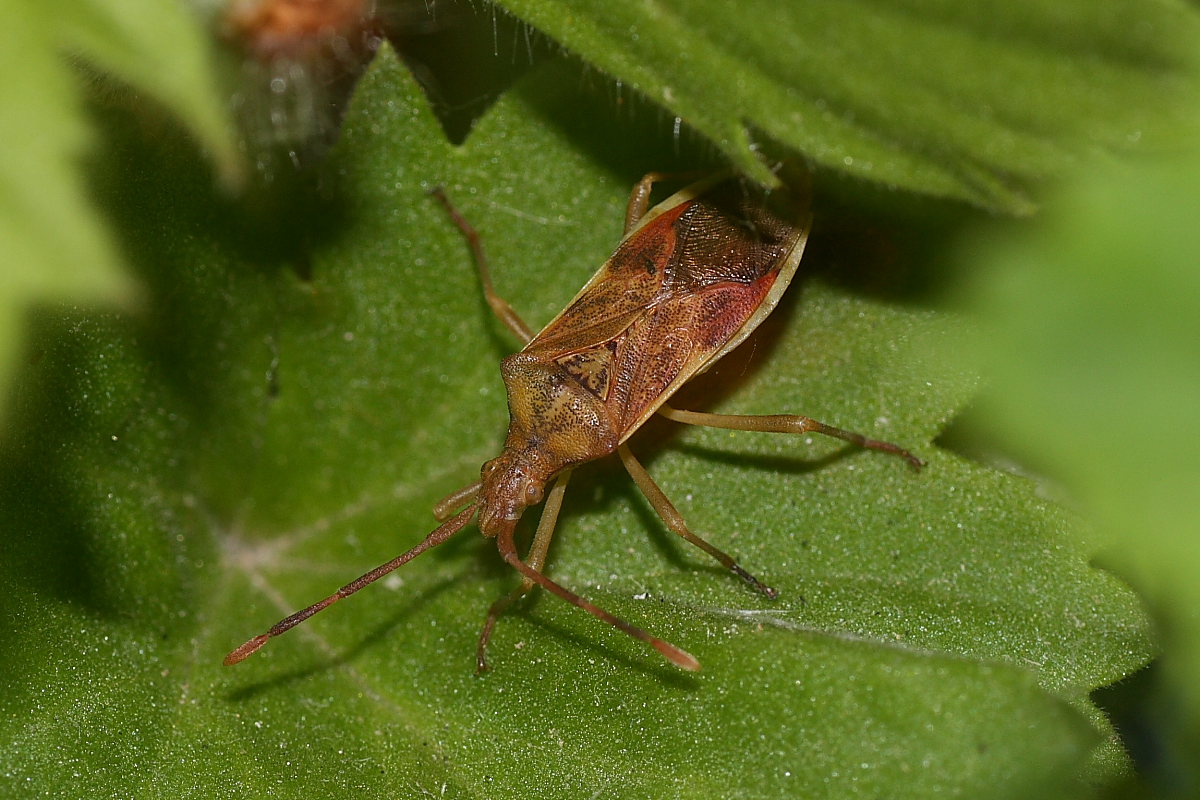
(701, 270)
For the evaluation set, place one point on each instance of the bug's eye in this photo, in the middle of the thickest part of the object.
(533, 494)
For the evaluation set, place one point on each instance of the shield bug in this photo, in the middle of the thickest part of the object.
(690, 280)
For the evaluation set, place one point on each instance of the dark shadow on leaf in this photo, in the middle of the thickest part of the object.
(614, 125)
(465, 56)
(781, 465)
(166, 210)
(57, 542)
(649, 664)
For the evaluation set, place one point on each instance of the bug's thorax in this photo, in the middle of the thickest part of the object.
(555, 422)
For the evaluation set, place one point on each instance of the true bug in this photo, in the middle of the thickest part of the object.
(689, 281)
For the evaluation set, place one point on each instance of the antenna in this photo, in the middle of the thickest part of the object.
(439, 535)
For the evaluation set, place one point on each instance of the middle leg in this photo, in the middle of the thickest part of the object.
(674, 521)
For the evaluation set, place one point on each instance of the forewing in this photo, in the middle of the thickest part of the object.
(674, 341)
(629, 283)
(699, 273)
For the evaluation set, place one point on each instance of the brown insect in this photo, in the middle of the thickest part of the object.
(689, 281)
(299, 28)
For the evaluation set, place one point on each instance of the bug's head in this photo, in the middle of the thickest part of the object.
(509, 487)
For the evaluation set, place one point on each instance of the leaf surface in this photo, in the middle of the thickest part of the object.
(1095, 336)
(54, 243)
(958, 99)
(181, 480)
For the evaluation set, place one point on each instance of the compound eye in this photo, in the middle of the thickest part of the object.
(533, 494)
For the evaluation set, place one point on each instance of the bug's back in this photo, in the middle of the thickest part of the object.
(700, 271)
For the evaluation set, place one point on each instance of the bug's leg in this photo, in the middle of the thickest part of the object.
(677, 656)
(535, 559)
(674, 521)
(445, 508)
(500, 307)
(639, 196)
(785, 423)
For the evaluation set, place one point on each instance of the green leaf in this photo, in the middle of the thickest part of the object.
(1096, 339)
(181, 481)
(53, 243)
(965, 100)
(165, 51)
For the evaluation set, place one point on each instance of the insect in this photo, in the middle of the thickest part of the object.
(689, 281)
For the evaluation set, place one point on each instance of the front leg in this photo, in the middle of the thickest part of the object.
(535, 559)
(500, 307)
(639, 197)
